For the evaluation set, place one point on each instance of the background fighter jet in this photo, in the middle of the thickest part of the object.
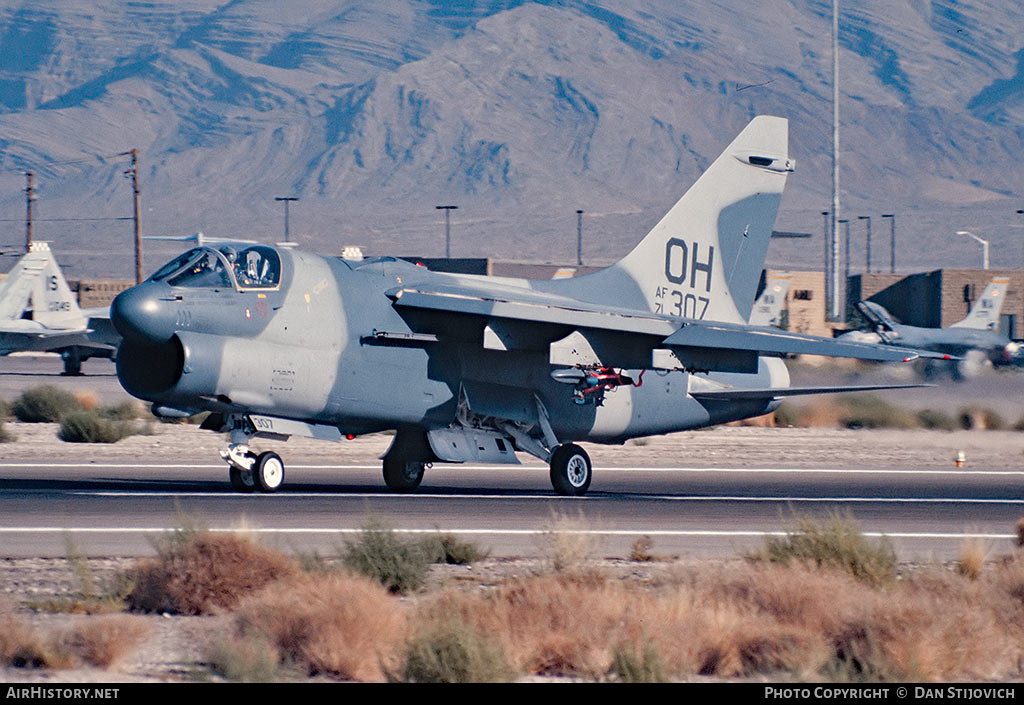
(974, 341)
(38, 312)
(278, 342)
(767, 309)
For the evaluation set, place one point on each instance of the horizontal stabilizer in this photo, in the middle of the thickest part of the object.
(737, 394)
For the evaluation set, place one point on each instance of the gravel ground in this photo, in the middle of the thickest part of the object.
(723, 446)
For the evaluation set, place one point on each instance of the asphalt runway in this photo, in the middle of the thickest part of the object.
(111, 506)
(118, 509)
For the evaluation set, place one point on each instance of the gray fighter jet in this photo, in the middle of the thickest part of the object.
(279, 342)
(38, 312)
(968, 344)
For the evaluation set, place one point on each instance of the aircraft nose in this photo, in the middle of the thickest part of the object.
(143, 313)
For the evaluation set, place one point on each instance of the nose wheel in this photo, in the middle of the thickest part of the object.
(250, 472)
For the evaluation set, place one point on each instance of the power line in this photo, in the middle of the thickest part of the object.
(61, 220)
(101, 158)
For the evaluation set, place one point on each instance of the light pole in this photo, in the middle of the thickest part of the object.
(841, 292)
(984, 246)
(447, 229)
(868, 254)
(892, 241)
(579, 238)
(286, 200)
(834, 307)
(1020, 211)
(829, 294)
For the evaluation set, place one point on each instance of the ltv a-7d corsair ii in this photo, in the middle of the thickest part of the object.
(278, 342)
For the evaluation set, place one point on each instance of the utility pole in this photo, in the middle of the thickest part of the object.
(138, 234)
(868, 254)
(286, 200)
(29, 197)
(447, 229)
(892, 241)
(579, 238)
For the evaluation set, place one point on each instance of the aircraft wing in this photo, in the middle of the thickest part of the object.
(697, 343)
(732, 336)
(533, 306)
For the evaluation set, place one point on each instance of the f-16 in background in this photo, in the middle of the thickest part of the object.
(278, 342)
(38, 312)
(975, 340)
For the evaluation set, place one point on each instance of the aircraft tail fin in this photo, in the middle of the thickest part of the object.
(704, 258)
(984, 314)
(877, 314)
(768, 307)
(53, 303)
(17, 287)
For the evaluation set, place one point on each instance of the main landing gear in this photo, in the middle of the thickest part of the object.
(250, 472)
(571, 470)
(406, 459)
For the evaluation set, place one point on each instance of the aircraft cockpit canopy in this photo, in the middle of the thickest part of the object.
(256, 267)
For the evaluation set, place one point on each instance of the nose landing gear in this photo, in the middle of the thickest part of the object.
(249, 472)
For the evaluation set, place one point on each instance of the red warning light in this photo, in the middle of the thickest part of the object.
(350, 436)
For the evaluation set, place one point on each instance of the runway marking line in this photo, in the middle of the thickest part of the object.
(546, 497)
(505, 532)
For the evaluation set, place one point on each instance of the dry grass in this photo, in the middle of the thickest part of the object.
(23, 647)
(246, 658)
(561, 623)
(732, 620)
(836, 541)
(104, 641)
(566, 543)
(344, 626)
(751, 620)
(205, 573)
(87, 399)
(973, 555)
(641, 550)
(446, 650)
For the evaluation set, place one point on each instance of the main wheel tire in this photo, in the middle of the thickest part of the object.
(571, 470)
(241, 480)
(401, 474)
(268, 470)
